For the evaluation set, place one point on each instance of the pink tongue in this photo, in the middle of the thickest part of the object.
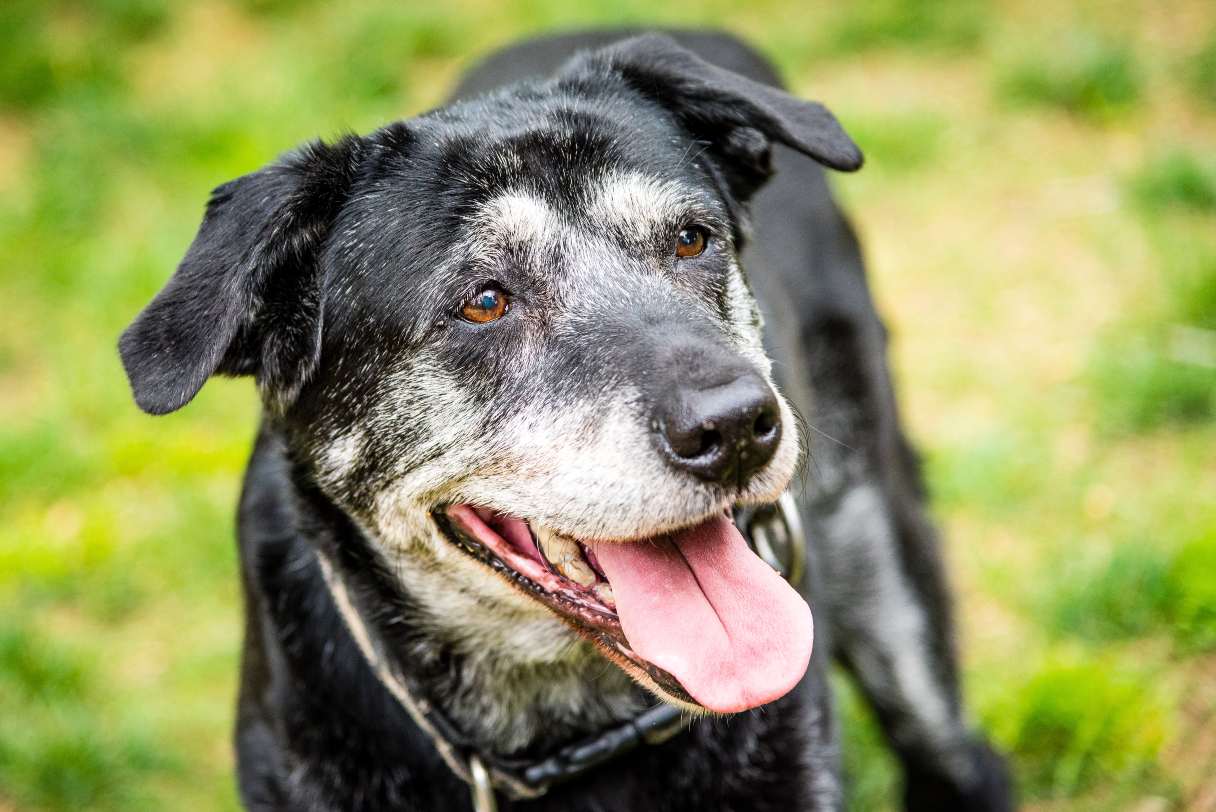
(703, 607)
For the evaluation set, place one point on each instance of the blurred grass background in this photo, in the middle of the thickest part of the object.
(1038, 208)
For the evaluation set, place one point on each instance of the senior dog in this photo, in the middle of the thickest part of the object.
(524, 414)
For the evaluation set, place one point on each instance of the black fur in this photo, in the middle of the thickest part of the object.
(318, 274)
(246, 300)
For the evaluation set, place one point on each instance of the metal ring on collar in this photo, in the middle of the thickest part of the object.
(481, 787)
(775, 533)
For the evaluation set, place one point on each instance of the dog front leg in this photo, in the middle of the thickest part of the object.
(888, 603)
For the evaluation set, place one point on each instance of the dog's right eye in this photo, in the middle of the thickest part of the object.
(487, 306)
(691, 241)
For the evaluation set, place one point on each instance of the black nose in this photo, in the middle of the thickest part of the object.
(723, 433)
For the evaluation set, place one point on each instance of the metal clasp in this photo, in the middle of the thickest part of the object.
(775, 533)
(482, 787)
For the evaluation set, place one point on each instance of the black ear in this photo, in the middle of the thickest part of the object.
(247, 297)
(736, 115)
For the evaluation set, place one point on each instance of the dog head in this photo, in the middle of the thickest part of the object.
(512, 336)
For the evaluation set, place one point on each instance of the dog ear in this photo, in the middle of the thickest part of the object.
(734, 114)
(247, 297)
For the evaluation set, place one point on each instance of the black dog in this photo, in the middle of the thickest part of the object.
(515, 383)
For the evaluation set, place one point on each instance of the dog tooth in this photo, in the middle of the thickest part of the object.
(566, 558)
(577, 570)
(604, 593)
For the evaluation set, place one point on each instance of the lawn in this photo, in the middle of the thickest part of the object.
(1039, 212)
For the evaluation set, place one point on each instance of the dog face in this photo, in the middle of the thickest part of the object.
(535, 316)
(511, 336)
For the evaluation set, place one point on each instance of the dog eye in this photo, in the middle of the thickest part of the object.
(487, 306)
(690, 242)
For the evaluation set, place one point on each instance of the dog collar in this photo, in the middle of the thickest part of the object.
(774, 533)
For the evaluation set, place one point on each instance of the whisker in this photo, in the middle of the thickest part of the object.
(804, 458)
(822, 433)
(685, 160)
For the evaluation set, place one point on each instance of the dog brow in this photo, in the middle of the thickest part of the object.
(517, 216)
(635, 199)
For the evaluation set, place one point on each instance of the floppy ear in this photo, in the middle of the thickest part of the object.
(734, 114)
(247, 297)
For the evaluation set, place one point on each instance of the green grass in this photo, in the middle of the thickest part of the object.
(1177, 179)
(1193, 594)
(60, 746)
(898, 143)
(1081, 73)
(1157, 366)
(947, 25)
(1126, 593)
(1077, 722)
(1050, 281)
(996, 473)
(1135, 590)
(1139, 385)
(1201, 72)
(1194, 292)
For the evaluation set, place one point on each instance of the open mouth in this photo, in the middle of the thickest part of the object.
(694, 614)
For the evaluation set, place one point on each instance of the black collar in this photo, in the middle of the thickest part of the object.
(653, 726)
(773, 531)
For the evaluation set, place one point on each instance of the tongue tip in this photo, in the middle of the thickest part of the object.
(727, 705)
(743, 694)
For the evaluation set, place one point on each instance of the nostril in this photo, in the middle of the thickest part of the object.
(711, 438)
(690, 442)
(765, 424)
(694, 443)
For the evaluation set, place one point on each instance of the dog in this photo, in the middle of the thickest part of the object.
(515, 381)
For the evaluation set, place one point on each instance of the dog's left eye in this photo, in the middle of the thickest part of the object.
(487, 306)
(691, 241)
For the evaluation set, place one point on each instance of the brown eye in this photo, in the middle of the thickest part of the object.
(690, 242)
(485, 307)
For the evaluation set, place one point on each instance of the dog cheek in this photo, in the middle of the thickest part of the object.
(428, 434)
(337, 461)
(451, 584)
(403, 528)
(476, 609)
